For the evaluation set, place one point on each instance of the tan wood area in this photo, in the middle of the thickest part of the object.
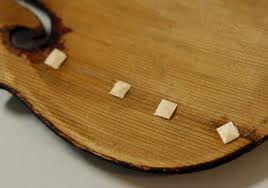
(210, 57)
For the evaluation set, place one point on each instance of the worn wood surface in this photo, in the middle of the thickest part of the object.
(210, 57)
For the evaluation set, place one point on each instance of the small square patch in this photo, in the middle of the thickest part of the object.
(55, 59)
(228, 132)
(120, 89)
(165, 109)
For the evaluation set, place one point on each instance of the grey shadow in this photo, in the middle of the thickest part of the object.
(16, 106)
(246, 171)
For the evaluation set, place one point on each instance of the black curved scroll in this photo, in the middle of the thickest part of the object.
(31, 39)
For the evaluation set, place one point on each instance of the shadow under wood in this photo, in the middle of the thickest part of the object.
(246, 171)
(14, 105)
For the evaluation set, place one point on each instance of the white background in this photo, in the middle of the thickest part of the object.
(32, 156)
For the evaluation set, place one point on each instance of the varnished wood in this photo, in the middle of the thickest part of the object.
(210, 57)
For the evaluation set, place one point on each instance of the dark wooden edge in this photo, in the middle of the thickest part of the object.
(175, 170)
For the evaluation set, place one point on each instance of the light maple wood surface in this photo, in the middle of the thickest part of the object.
(210, 57)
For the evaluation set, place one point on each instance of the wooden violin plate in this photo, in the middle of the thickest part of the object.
(210, 57)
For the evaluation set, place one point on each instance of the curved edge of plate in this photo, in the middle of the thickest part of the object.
(170, 170)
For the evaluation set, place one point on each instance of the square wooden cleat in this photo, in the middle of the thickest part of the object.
(55, 59)
(120, 89)
(166, 109)
(228, 132)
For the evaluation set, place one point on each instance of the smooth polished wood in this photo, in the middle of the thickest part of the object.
(210, 57)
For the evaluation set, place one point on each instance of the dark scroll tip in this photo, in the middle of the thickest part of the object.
(28, 39)
(35, 43)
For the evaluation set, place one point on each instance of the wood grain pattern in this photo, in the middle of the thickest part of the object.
(210, 57)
